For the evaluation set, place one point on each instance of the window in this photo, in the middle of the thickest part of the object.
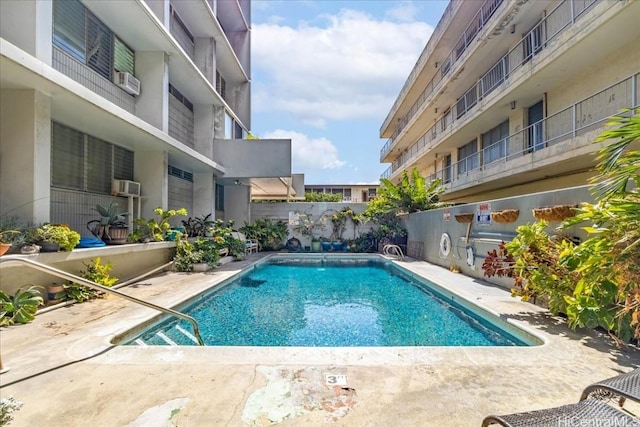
(180, 97)
(468, 157)
(219, 197)
(123, 57)
(179, 173)
(237, 130)
(447, 169)
(228, 126)
(494, 145)
(85, 163)
(221, 86)
(82, 35)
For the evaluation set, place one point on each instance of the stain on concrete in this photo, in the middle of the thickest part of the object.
(161, 415)
(290, 393)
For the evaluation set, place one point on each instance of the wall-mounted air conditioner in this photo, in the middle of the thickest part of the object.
(122, 187)
(127, 82)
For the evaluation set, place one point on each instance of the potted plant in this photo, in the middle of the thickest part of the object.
(6, 240)
(307, 227)
(55, 237)
(112, 227)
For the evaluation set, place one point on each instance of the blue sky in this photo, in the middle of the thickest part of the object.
(325, 74)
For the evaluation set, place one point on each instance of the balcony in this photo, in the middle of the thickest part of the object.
(558, 137)
(533, 43)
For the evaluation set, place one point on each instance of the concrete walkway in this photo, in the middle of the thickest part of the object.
(67, 374)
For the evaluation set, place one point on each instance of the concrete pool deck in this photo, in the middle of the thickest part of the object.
(66, 373)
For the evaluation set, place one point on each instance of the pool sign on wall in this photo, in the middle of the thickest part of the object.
(446, 215)
(483, 214)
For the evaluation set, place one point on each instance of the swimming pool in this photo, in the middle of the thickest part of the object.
(337, 301)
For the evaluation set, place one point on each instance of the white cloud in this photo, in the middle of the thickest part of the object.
(352, 68)
(308, 153)
(406, 11)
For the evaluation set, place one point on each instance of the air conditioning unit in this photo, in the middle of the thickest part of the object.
(122, 187)
(127, 82)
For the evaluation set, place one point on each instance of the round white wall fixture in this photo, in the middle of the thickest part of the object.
(445, 245)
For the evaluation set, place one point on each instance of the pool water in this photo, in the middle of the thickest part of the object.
(327, 305)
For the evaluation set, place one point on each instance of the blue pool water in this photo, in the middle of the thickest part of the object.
(327, 305)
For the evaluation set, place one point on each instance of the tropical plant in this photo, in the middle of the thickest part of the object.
(309, 227)
(269, 234)
(595, 283)
(200, 251)
(109, 218)
(198, 226)
(21, 308)
(155, 229)
(339, 221)
(60, 234)
(96, 272)
(411, 194)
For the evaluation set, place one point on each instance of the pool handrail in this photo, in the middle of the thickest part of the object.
(68, 276)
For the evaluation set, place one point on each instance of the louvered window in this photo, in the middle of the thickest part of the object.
(85, 163)
(123, 57)
(82, 35)
(69, 28)
(221, 86)
(67, 159)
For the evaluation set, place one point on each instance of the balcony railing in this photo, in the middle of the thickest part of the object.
(476, 23)
(587, 115)
(564, 14)
(531, 44)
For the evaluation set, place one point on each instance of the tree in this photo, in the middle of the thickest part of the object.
(411, 194)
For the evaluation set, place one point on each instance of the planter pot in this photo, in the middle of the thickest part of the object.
(49, 247)
(554, 213)
(116, 236)
(55, 293)
(464, 217)
(505, 216)
(326, 246)
(201, 267)
(337, 246)
(4, 247)
(315, 246)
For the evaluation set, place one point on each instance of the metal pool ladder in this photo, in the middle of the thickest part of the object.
(68, 276)
(393, 251)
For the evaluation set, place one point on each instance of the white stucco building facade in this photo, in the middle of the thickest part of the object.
(105, 101)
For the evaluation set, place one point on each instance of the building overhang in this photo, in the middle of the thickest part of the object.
(76, 106)
(262, 158)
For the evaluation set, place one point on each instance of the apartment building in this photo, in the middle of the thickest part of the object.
(356, 193)
(508, 96)
(146, 103)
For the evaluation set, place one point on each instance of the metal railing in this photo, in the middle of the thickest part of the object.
(587, 115)
(68, 276)
(531, 44)
(562, 16)
(476, 24)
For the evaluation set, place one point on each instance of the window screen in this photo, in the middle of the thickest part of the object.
(122, 163)
(99, 46)
(219, 197)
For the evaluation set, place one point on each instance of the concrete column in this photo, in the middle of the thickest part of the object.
(204, 119)
(151, 171)
(152, 105)
(218, 132)
(25, 155)
(205, 58)
(203, 194)
(28, 25)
